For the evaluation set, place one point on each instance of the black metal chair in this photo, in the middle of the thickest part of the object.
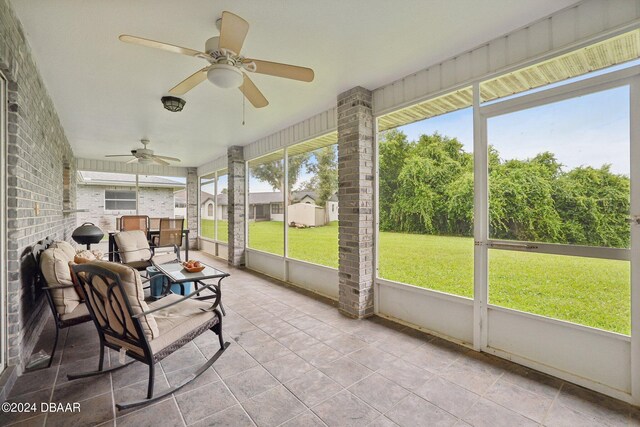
(62, 320)
(113, 293)
(133, 250)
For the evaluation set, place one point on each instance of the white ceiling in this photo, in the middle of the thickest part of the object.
(107, 93)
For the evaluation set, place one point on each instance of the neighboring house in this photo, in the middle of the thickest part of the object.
(208, 205)
(180, 204)
(108, 196)
(266, 206)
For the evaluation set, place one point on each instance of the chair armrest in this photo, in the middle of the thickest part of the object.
(57, 287)
(186, 297)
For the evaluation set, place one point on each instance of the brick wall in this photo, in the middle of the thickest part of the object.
(154, 202)
(355, 202)
(193, 188)
(235, 208)
(38, 151)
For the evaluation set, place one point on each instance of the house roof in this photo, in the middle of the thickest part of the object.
(124, 179)
(264, 198)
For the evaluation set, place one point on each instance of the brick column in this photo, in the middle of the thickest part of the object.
(192, 206)
(355, 202)
(236, 215)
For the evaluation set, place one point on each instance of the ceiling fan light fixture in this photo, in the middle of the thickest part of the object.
(144, 161)
(225, 76)
(173, 103)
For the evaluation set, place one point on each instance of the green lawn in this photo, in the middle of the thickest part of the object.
(593, 292)
(206, 229)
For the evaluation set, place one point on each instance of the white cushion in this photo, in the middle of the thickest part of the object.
(54, 264)
(133, 246)
(79, 311)
(66, 247)
(132, 286)
(178, 320)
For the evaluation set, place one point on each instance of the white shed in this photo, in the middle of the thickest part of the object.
(306, 214)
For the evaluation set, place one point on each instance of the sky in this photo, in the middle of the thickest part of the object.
(590, 130)
(222, 184)
(256, 186)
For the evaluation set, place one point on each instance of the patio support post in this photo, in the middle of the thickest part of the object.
(236, 210)
(355, 202)
(192, 207)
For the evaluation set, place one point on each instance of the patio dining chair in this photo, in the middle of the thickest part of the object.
(154, 224)
(134, 222)
(170, 233)
(146, 333)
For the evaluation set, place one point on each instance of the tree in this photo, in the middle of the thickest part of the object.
(521, 204)
(273, 172)
(393, 149)
(416, 181)
(325, 174)
(594, 205)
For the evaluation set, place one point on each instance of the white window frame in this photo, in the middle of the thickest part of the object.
(215, 176)
(200, 178)
(625, 77)
(135, 199)
(537, 99)
(218, 174)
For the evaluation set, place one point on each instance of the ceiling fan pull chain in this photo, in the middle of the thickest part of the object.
(243, 98)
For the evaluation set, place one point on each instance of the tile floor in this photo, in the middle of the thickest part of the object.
(295, 361)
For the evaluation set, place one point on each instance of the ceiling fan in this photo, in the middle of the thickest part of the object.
(227, 68)
(145, 156)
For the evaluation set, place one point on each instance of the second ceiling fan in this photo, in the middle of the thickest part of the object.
(227, 68)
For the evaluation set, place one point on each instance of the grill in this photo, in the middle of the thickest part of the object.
(87, 234)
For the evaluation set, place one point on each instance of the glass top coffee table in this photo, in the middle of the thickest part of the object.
(177, 274)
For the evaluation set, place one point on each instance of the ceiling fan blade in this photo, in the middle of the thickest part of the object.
(159, 45)
(159, 161)
(135, 159)
(172, 159)
(118, 155)
(190, 82)
(252, 93)
(233, 31)
(283, 70)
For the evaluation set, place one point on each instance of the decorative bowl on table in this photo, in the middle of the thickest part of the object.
(192, 268)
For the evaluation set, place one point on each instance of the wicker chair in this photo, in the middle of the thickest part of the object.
(147, 333)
